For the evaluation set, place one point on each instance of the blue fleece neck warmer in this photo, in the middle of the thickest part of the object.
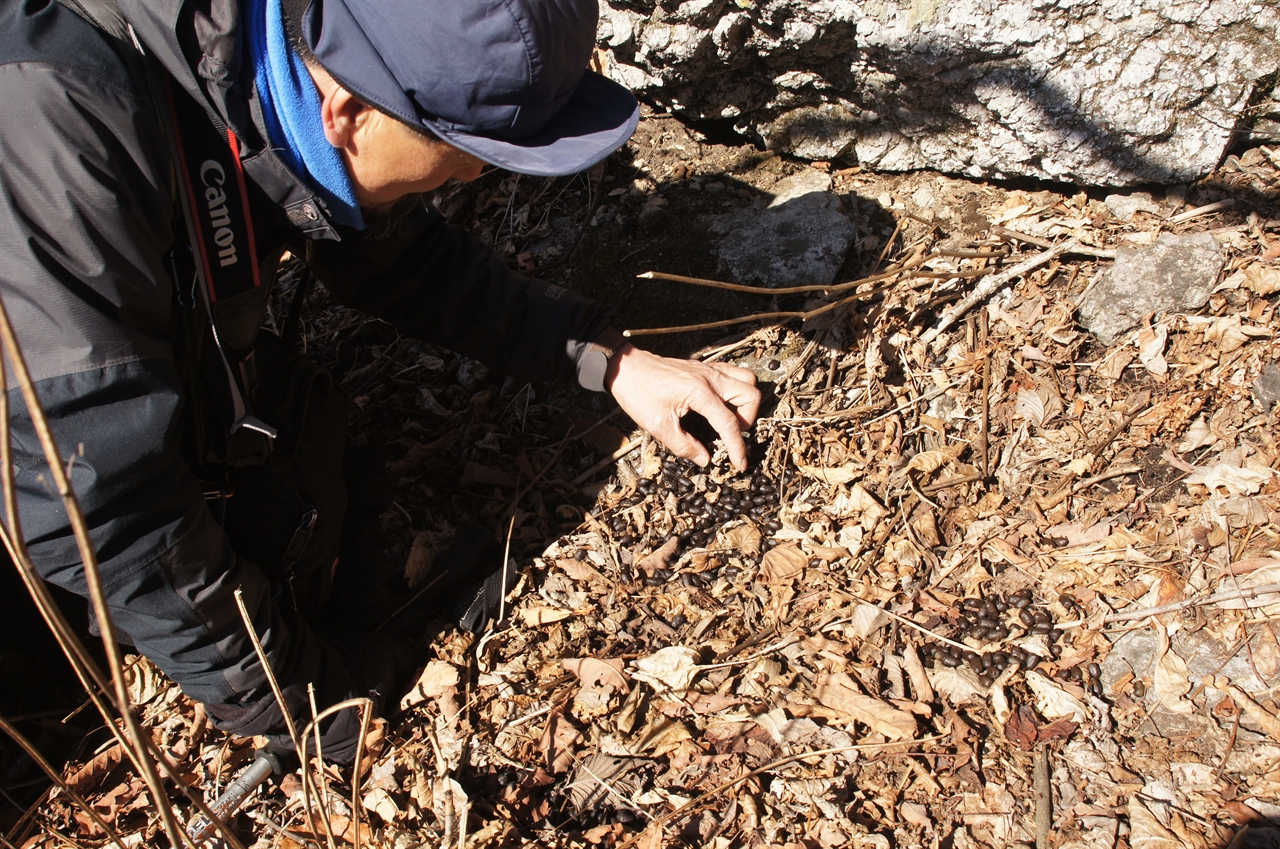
(291, 108)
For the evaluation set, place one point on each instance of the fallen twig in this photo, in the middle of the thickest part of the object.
(1207, 209)
(1044, 797)
(1174, 606)
(993, 284)
(1082, 250)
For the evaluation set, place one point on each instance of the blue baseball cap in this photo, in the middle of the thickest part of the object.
(505, 80)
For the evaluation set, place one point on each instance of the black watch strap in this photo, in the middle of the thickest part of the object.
(593, 365)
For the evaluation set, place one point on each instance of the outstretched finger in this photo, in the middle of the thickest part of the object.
(740, 393)
(683, 444)
(726, 423)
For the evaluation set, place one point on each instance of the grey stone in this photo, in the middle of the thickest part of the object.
(1124, 207)
(1136, 650)
(799, 239)
(1266, 389)
(1096, 92)
(1173, 273)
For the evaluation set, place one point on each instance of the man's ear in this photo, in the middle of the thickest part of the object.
(339, 112)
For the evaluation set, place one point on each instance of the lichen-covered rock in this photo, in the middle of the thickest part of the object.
(799, 239)
(1098, 92)
(1173, 273)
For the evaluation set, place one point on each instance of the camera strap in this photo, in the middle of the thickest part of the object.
(214, 201)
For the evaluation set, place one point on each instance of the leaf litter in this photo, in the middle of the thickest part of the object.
(917, 619)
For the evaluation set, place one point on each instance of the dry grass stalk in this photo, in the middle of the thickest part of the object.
(366, 714)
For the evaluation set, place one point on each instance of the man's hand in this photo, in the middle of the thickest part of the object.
(657, 392)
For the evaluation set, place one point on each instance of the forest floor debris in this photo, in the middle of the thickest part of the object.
(995, 585)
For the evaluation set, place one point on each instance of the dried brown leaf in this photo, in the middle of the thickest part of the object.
(672, 668)
(838, 692)
(930, 461)
(437, 679)
(88, 777)
(1021, 728)
(594, 672)
(605, 439)
(745, 538)
(559, 738)
(783, 563)
(541, 614)
(833, 476)
(1172, 682)
(477, 473)
(659, 558)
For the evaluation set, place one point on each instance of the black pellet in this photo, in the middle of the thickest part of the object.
(1030, 661)
(802, 523)
(1027, 615)
(1139, 689)
(950, 661)
(580, 554)
(679, 620)
(1095, 670)
(986, 679)
(1095, 688)
(1040, 628)
(774, 365)
(1020, 602)
(653, 581)
(626, 540)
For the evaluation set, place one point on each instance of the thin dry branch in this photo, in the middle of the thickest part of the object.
(993, 284)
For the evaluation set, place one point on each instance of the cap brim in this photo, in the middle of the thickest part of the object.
(596, 121)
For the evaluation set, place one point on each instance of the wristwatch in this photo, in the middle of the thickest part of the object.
(593, 365)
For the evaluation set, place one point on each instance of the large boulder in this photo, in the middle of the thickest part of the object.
(1095, 92)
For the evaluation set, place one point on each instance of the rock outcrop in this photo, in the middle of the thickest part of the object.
(1096, 92)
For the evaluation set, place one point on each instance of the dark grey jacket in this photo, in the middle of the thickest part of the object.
(86, 220)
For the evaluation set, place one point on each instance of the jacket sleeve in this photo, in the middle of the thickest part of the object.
(435, 282)
(85, 215)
